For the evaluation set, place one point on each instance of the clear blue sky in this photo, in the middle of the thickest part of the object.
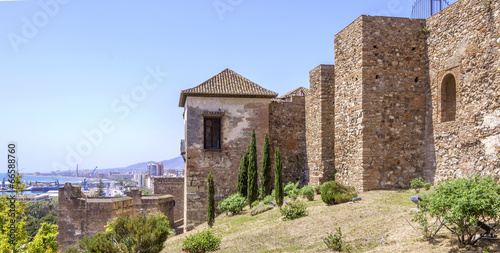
(67, 68)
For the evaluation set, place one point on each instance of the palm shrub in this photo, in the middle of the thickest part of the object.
(333, 192)
(210, 200)
(294, 210)
(242, 186)
(265, 178)
(253, 189)
(233, 204)
(278, 178)
(466, 205)
(307, 192)
(204, 241)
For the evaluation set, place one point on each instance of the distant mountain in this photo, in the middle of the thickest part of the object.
(174, 163)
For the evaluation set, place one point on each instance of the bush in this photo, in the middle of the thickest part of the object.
(466, 205)
(268, 198)
(317, 189)
(335, 193)
(292, 190)
(255, 203)
(334, 241)
(260, 208)
(204, 241)
(130, 235)
(417, 183)
(422, 217)
(307, 192)
(294, 210)
(233, 204)
(427, 186)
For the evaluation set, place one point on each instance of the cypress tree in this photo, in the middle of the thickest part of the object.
(265, 178)
(210, 200)
(278, 178)
(253, 176)
(242, 186)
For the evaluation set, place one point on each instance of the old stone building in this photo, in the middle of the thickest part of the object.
(406, 98)
(78, 215)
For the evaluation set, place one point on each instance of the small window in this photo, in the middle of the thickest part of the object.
(212, 133)
(448, 98)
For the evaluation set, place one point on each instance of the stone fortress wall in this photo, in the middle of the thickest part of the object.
(79, 215)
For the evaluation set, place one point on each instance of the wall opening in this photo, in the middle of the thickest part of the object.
(448, 98)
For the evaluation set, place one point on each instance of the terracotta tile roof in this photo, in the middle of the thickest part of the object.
(227, 84)
(301, 91)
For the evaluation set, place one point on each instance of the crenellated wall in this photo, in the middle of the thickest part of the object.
(173, 186)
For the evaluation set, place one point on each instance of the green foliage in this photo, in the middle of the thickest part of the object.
(317, 189)
(210, 200)
(100, 189)
(427, 186)
(45, 240)
(294, 210)
(307, 192)
(253, 176)
(233, 204)
(204, 241)
(143, 233)
(266, 185)
(417, 183)
(260, 208)
(292, 190)
(335, 193)
(334, 241)
(255, 203)
(242, 186)
(278, 178)
(13, 220)
(268, 198)
(426, 30)
(39, 212)
(422, 217)
(464, 203)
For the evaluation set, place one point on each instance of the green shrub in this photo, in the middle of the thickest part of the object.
(204, 241)
(465, 204)
(417, 183)
(233, 204)
(268, 198)
(292, 190)
(307, 192)
(334, 241)
(317, 189)
(427, 186)
(422, 218)
(335, 193)
(260, 208)
(294, 210)
(255, 203)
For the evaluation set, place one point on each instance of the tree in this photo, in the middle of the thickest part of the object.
(253, 176)
(143, 233)
(210, 200)
(265, 178)
(100, 189)
(242, 186)
(39, 212)
(13, 234)
(278, 178)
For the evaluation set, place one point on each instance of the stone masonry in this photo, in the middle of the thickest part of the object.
(79, 215)
(173, 186)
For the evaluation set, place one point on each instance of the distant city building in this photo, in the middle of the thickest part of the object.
(140, 179)
(155, 169)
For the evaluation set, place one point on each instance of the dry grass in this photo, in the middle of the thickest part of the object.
(379, 214)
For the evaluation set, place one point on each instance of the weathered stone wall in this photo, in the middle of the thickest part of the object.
(348, 105)
(464, 41)
(320, 132)
(79, 216)
(395, 80)
(173, 186)
(287, 132)
(241, 115)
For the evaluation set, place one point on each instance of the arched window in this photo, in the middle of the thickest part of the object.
(448, 98)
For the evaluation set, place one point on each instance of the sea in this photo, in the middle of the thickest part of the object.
(62, 180)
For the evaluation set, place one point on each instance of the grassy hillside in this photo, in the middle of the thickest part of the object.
(381, 214)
